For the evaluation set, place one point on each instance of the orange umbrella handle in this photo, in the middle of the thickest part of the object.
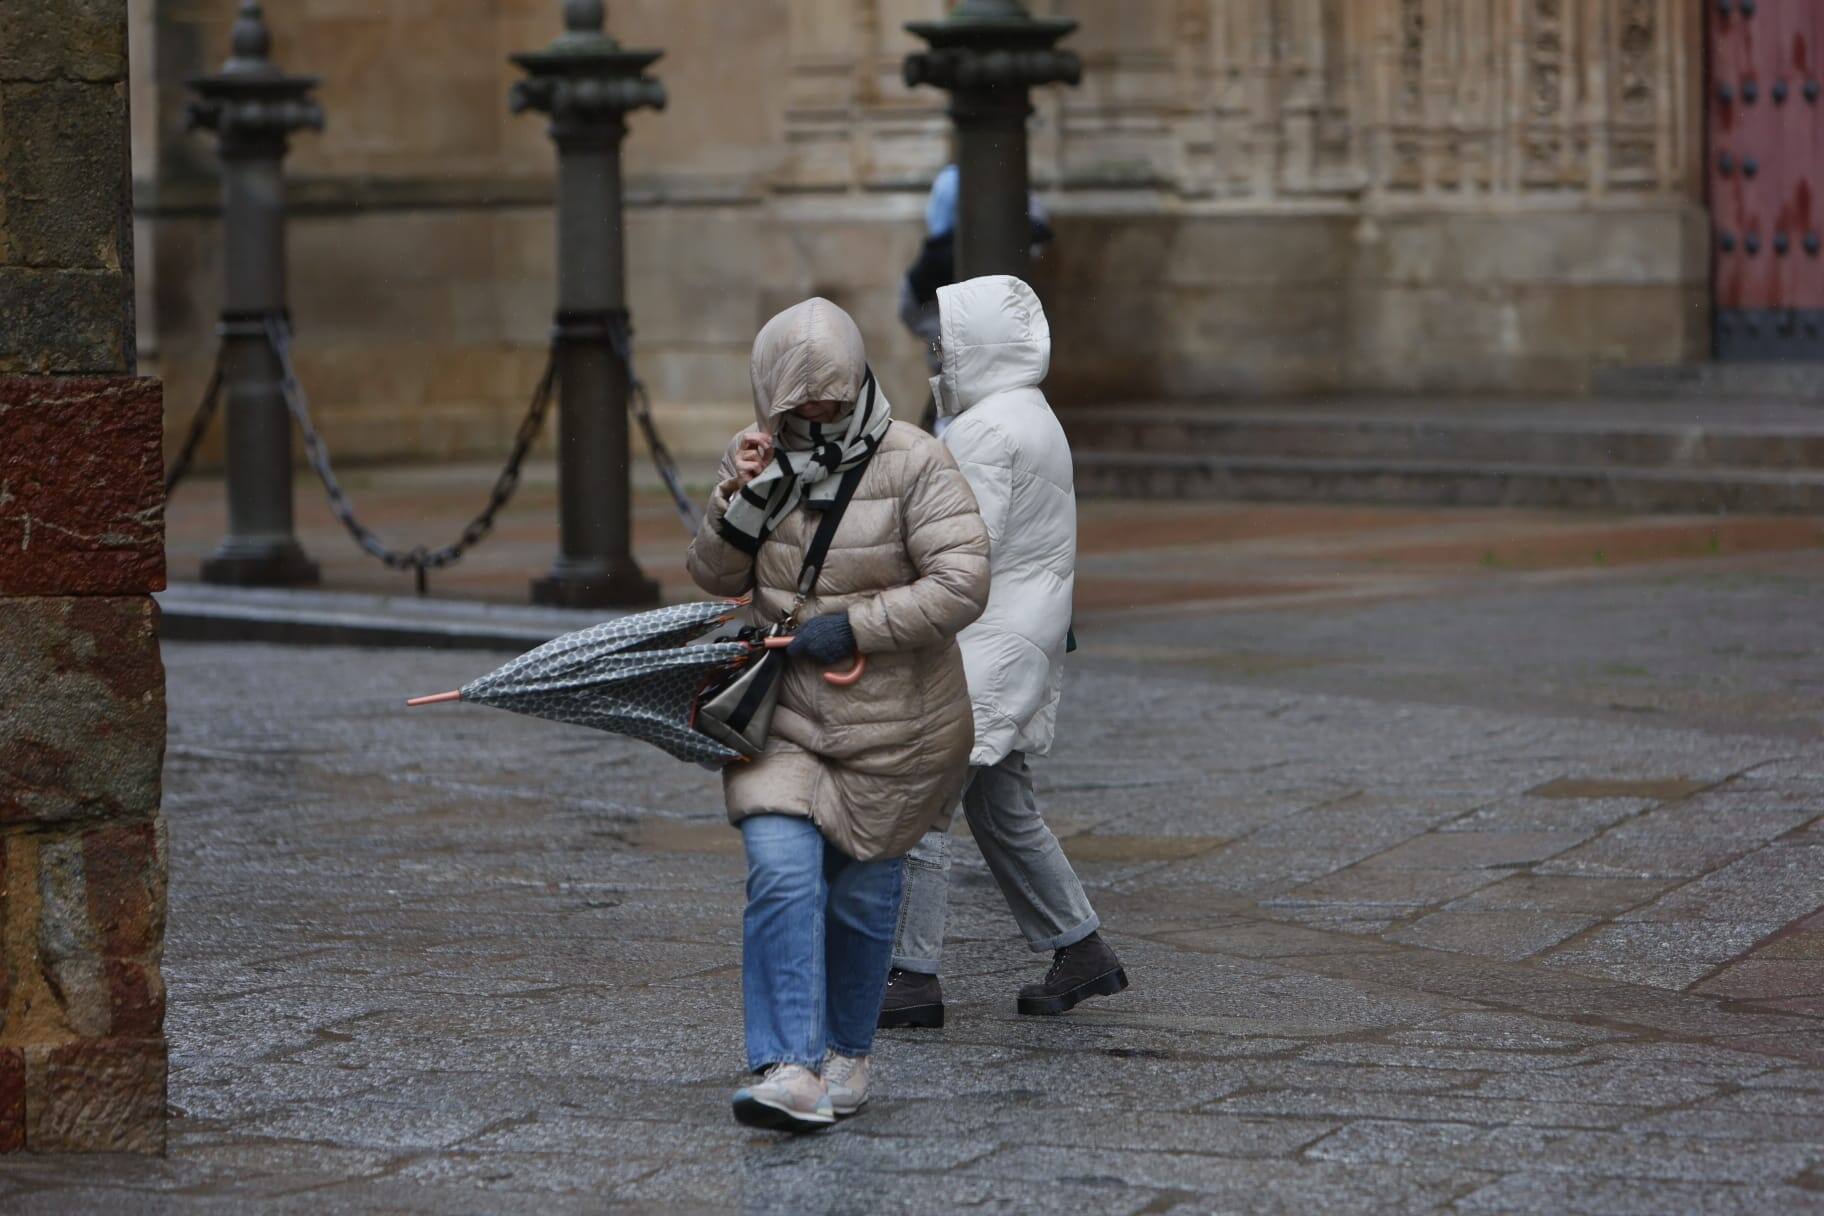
(437, 699)
(851, 677)
(839, 679)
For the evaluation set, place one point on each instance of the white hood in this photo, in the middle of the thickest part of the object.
(996, 339)
(997, 349)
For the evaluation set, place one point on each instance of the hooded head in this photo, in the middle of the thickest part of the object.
(995, 339)
(810, 352)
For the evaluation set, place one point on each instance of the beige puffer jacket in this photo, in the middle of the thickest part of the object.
(877, 765)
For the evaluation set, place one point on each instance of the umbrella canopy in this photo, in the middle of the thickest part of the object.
(630, 677)
(659, 629)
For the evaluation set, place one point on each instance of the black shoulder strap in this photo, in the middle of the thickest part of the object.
(826, 529)
(832, 516)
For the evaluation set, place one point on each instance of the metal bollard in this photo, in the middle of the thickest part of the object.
(989, 55)
(253, 108)
(588, 85)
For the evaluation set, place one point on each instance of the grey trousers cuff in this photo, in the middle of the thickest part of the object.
(1069, 937)
(924, 966)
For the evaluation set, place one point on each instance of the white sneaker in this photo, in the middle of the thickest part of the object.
(788, 1097)
(847, 1079)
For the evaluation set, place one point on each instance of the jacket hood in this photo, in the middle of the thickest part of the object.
(810, 352)
(996, 339)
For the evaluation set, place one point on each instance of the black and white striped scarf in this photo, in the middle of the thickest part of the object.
(807, 459)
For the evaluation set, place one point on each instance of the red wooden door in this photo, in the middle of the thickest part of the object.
(1766, 111)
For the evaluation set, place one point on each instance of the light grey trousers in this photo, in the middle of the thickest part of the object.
(1047, 900)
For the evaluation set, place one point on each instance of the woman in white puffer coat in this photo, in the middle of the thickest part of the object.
(995, 352)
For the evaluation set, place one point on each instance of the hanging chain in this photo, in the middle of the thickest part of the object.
(199, 425)
(620, 337)
(420, 560)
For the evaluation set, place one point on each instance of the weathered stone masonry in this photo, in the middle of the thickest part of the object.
(82, 703)
(1253, 198)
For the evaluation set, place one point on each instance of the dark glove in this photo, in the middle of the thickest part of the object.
(826, 639)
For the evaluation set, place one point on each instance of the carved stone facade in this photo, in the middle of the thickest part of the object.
(1252, 196)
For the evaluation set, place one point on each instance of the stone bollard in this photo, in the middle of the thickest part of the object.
(588, 85)
(989, 55)
(253, 108)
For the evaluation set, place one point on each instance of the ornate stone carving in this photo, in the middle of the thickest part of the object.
(1259, 102)
(1543, 140)
(1633, 150)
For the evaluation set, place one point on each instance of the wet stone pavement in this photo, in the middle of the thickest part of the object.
(1501, 898)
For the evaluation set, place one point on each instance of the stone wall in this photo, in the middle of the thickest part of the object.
(1253, 197)
(82, 707)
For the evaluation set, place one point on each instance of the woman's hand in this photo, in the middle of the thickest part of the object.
(826, 639)
(752, 457)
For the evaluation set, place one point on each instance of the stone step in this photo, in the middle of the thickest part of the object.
(1297, 434)
(1167, 475)
(1714, 381)
(195, 612)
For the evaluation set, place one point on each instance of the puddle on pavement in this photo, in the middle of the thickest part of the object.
(1096, 847)
(1122, 527)
(718, 839)
(1099, 594)
(1227, 662)
(684, 836)
(1662, 789)
(1556, 546)
(1240, 1027)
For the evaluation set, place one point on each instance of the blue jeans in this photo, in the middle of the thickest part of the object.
(815, 943)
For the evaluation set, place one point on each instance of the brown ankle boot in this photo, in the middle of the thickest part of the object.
(1089, 968)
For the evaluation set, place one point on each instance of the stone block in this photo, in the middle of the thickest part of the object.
(12, 1099)
(63, 170)
(1622, 248)
(89, 742)
(1512, 934)
(124, 879)
(82, 922)
(136, 997)
(396, 247)
(73, 40)
(64, 322)
(96, 1095)
(16, 913)
(81, 486)
(1245, 256)
(1475, 850)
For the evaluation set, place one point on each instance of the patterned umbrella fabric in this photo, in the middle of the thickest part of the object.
(630, 677)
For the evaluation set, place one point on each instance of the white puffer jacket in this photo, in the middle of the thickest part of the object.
(997, 351)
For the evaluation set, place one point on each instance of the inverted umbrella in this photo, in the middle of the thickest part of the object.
(628, 677)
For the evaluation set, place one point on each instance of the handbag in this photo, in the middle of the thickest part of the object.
(737, 711)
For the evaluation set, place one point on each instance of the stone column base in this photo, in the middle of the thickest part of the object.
(86, 1096)
(626, 587)
(282, 564)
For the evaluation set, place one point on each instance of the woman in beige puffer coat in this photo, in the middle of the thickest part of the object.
(850, 777)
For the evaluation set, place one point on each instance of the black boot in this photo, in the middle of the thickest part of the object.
(913, 999)
(1086, 969)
